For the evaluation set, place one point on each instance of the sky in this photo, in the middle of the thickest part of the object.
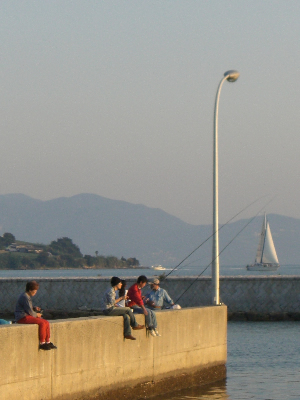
(117, 98)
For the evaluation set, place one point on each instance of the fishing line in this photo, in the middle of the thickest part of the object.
(226, 223)
(224, 249)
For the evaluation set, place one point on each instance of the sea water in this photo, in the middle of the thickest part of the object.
(263, 364)
(149, 272)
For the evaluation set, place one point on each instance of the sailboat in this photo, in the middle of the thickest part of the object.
(266, 257)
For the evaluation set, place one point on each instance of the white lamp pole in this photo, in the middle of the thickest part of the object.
(230, 76)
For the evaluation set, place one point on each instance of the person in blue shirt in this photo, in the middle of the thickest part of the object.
(157, 297)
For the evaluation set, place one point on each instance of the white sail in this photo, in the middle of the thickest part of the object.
(269, 252)
(258, 257)
(266, 257)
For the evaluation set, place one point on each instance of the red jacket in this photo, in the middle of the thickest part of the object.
(135, 295)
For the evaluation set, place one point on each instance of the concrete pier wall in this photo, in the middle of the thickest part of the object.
(241, 294)
(93, 359)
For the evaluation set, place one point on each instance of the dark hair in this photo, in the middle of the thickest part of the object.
(32, 285)
(115, 281)
(122, 290)
(142, 279)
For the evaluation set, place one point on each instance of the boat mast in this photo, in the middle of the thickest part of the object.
(265, 230)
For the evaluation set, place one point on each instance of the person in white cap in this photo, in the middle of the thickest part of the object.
(157, 297)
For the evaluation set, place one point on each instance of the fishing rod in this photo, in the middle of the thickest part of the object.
(224, 249)
(226, 223)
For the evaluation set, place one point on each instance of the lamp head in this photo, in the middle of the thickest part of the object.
(232, 75)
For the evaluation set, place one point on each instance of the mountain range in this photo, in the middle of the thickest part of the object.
(119, 228)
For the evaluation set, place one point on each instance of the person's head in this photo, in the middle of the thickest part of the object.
(122, 290)
(32, 287)
(154, 284)
(116, 282)
(142, 281)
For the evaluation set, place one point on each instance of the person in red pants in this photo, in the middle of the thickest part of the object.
(25, 313)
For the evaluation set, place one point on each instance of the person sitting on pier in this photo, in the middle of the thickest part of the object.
(110, 308)
(156, 298)
(137, 304)
(25, 313)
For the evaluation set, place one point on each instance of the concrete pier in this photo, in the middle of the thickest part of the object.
(94, 361)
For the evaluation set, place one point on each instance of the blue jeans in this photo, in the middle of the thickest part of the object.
(150, 318)
(126, 313)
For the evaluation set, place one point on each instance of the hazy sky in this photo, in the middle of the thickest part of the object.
(116, 98)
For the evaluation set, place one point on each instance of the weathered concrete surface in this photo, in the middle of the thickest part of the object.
(174, 383)
(24, 370)
(93, 359)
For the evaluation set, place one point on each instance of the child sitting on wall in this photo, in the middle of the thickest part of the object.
(25, 313)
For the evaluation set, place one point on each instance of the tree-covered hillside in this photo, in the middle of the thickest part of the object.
(60, 253)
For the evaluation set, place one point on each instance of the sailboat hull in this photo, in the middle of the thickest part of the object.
(263, 267)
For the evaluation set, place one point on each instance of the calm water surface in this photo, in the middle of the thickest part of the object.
(263, 364)
(182, 271)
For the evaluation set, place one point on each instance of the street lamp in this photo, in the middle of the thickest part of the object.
(230, 76)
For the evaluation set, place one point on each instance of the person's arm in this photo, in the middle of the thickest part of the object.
(149, 300)
(120, 299)
(168, 299)
(144, 310)
(109, 298)
(146, 298)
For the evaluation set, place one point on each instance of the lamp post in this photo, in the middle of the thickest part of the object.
(230, 76)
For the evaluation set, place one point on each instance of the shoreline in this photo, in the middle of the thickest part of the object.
(67, 269)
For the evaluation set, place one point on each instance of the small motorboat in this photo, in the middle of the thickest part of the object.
(158, 267)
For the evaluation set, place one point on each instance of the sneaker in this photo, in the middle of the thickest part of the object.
(45, 346)
(156, 331)
(129, 337)
(138, 327)
(152, 332)
(52, 346)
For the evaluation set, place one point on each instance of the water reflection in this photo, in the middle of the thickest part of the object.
(215, 391)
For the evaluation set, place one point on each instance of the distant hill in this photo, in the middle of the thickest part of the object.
(153, 236)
